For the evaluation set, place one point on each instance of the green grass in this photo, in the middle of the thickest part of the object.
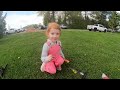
(94, 52)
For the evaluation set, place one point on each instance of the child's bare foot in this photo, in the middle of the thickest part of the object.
(67, 61)
(42, 67)
(59, 68)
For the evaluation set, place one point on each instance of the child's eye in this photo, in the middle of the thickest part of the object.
(52, 33)
(57, 33)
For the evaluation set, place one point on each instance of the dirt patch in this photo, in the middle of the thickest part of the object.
(32, 30)
(29, 30)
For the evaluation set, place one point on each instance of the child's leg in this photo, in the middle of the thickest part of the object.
(50, 67)
(58, 62)
(59, 68)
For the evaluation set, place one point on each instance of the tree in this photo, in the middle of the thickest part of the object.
(75, 20)
(53, 16)
(114, 20)
(59, 20)
(64, 14)
(101, 16)
(2, 23)
(49, 16)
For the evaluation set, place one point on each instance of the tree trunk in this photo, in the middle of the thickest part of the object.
(53, 16)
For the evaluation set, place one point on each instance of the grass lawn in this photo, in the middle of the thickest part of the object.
(94, 52)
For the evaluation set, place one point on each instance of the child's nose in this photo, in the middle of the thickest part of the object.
(55, 35)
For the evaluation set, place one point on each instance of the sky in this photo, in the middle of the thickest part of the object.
(19, 19)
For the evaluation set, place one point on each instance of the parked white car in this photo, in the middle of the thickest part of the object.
(10, 31)
(97, 27)
(109, 30)
(118, 30)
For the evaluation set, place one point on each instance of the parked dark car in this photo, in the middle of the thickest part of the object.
(63, 26)
(43, 27)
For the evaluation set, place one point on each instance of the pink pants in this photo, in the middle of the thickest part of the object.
(51, 66)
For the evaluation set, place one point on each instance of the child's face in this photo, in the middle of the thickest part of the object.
(54, 34)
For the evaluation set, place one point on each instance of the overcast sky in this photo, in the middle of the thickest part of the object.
(18, 19)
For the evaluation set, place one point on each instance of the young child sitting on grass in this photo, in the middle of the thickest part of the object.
(52, 55)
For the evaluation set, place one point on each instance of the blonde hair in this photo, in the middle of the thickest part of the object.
(53, 25)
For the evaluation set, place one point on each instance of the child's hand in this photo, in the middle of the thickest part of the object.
(50, 57)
